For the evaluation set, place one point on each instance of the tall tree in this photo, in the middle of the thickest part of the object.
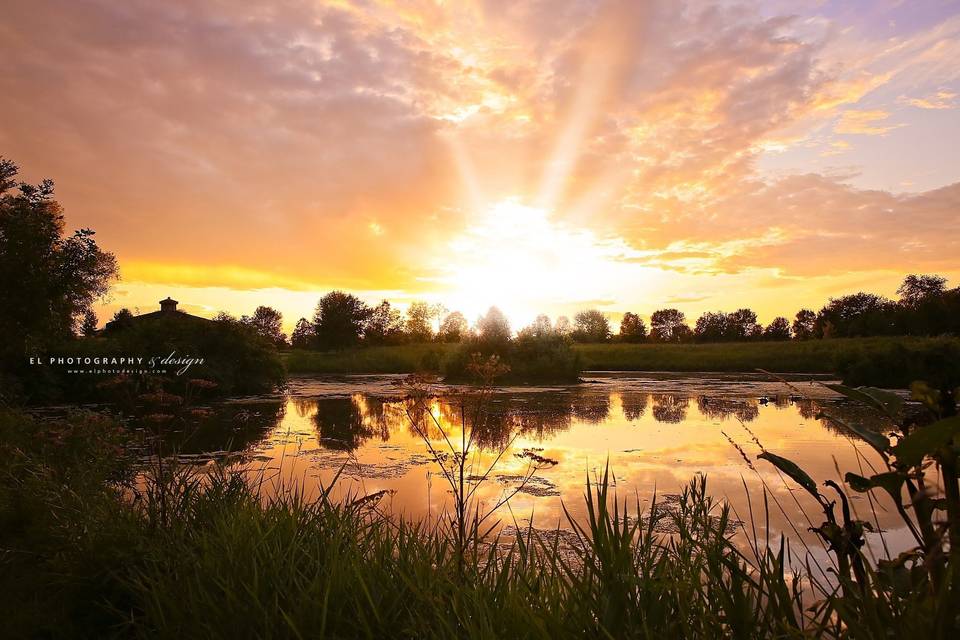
(88, 326)
(267, 322)
(338, 320)
(742, 325)
(493, 327)
(632, 328)
(668, 325)
(804, 324)
(591, 326)
(50, 279)
(303, 335)
(384, 325)
(858, 314)
(419, 322)
(778, 329)
(919, 288)
(562, 326)
(711, 327)
(454, 327)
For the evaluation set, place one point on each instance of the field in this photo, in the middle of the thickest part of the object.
(814, 356)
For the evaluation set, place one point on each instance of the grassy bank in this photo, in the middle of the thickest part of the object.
(406, 358)
(87, 552)
(813, 356)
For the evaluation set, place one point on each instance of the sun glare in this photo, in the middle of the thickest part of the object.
(518, 258)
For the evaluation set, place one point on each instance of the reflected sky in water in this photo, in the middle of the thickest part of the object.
(655, 432)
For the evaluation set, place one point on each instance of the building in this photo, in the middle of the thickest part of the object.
(168, 312)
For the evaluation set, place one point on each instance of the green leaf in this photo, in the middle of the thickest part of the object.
(891, 482)
(925, 441)
(876, 440)
(885, 401)
(791, 469)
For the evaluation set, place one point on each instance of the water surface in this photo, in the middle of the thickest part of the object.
(655, 431)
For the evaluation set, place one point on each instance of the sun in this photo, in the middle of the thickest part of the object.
(519, 258)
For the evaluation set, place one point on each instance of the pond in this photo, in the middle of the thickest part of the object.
(655, 431)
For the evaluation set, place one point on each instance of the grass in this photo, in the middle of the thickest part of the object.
(406, 358)
(89, 549)
(813, 356)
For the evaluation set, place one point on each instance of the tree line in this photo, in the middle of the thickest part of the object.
(925, 306)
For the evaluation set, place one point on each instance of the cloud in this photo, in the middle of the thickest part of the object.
(345, 144)
(869, 123)
(942, 99)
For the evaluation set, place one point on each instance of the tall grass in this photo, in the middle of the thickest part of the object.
(91, 550)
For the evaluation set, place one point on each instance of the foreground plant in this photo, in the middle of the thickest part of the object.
(917, 592)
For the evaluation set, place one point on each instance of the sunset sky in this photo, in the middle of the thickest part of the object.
(542, 156)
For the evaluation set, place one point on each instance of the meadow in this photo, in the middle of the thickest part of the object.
(883, 361)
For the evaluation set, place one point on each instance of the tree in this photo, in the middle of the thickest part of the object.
(917, 289)
(632, 328)
(591, 326)
(541, 326)
(804, 324)
(339, 319)
(303, 335)
(88, 327)
(668, 325)
(778, 329)
(742, 325)
(562, 326)
(50, 279)
(859, 314)
(419, 324)
(267, 322)
(711, 327)
(454, 327)
(384, 325)
(493, 327)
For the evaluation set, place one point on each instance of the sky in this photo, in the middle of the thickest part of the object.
(543, 156)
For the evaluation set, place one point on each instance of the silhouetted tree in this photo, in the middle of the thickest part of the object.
(917, 289)
(562, 326)
(778, 329)
(303, 335)
(668, 325)
(541, 326)
(591, 326)
(632, 328)
(859, 314)
(742, 325)
(419, 321)
(493, 327)
(804, 324)
(49, 280)
(338, 320)
(122, 319)
(711, 327)
(927, 307)
(267, 322)
(88, 327)
(384, 325)
(454, 327)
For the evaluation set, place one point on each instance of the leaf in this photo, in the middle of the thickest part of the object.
(876, 440)
(891, 482)
(791, 469)
(925, 441)
(885, 401)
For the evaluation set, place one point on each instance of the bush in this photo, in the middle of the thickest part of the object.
(531, 358)
(897, 364)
